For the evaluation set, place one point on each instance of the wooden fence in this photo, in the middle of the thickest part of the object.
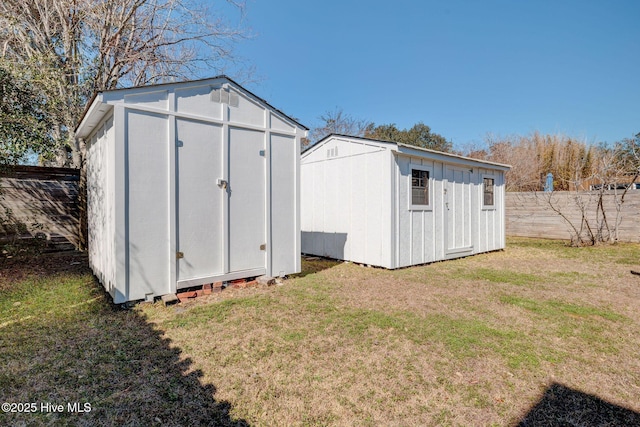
(39, 202)
(530, 214)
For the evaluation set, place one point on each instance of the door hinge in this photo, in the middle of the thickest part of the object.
(263, 247)
(179, 255)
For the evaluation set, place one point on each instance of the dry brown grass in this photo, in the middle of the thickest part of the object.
(474, 341)
(538, 334)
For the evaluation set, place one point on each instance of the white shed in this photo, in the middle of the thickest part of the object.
(188, 184)
(394, 205)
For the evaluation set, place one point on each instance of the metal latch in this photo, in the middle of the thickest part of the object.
(263, 247)
(222, 183)
(179, 255)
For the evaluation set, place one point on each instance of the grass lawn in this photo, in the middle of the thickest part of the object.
(538, 334)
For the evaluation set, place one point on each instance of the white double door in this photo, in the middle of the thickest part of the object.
(220, 203)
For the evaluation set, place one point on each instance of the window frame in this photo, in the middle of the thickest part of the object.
(482, 191)
(429, 170)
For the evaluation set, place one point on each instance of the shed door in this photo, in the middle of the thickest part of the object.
(247, 237)
(458, 210)
(199, 199)
(220, 201)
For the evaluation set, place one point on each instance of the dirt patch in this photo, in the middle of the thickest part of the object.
(16, 269)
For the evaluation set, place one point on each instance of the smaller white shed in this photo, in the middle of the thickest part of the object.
(394, 205)
(187, 184)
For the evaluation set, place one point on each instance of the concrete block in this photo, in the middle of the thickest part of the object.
(266, 280)
(169, 299)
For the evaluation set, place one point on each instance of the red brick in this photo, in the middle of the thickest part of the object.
(184, 296)
(238, 284)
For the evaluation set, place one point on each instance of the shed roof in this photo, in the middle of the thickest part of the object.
(93, 107)
(412, 150)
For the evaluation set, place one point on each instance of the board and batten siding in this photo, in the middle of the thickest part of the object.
(356, 203)
(417, 230)
(423, 235)
(491, 220)
(348, 199)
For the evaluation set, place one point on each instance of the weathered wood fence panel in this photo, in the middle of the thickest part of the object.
(39, 202)
(530, 215)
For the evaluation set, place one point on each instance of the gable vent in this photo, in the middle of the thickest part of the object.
(234, 99)
(215, 95)
(225, 96)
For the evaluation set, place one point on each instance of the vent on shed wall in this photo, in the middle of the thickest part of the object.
(225, 96)
(332, 152)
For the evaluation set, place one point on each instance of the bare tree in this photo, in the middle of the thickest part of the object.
(145, 41)
(590, 183)
(337, 121)
(69, 49)
(72, 48)
(594, 215)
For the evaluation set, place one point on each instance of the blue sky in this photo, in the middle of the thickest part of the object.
(465, 68)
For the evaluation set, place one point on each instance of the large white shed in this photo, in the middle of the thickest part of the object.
(395, 205)
(187, 184)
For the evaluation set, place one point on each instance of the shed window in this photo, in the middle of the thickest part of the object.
(419, 187)
(488, 191)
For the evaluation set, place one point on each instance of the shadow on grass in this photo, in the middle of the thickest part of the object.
(63, 342)
(314, 264)
(562, 406)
